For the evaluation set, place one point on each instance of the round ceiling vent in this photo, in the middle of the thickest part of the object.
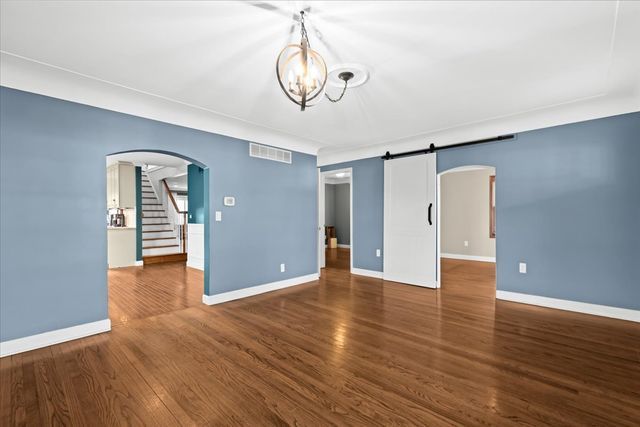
(360, 75)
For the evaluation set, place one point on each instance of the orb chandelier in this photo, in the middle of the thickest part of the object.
(302, 72)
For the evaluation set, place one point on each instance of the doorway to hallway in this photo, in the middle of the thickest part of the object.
(335, 219)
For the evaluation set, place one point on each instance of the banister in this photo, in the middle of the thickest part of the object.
(173, 201)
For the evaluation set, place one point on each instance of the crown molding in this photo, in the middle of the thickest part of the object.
(604, 105)
(28, 75)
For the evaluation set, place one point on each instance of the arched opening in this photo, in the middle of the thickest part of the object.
(157, 233)
(467, 232)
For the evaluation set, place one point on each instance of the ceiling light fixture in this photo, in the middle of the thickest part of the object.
(302, 72)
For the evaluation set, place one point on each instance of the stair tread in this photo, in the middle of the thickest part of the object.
(158, 223)
(159, 238)
(160, 246)
(156, 231)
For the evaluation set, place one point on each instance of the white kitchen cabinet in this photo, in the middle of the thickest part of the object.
(121, 186)
(121, 246)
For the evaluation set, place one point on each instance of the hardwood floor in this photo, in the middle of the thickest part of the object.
(338, 258)
(139, 292)
(344, 350)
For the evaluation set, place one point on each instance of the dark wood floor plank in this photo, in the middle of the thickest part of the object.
(344, 350)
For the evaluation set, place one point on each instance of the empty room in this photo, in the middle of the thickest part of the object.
(319, 213)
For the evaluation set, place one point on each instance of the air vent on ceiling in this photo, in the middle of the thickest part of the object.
(269, 153)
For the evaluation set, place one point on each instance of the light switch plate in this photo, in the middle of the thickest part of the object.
(282, 268)
(466, 243)
(523, 268)
(378, 253)
(218, 216)
(229, 201)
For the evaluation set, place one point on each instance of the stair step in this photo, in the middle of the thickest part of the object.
(172, 257)
(159, 216)
(156, 231)
(157, 223)
(159, 238)
(152, 204)
(160, 246)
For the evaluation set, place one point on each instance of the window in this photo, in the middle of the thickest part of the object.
(492, 206)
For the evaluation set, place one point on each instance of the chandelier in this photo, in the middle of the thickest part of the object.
(302, 72)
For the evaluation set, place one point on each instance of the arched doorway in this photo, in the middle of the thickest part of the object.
(467, 237)
(168, 268)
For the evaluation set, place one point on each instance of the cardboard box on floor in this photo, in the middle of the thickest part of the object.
(333, 242)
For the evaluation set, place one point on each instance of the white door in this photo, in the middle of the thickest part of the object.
(410, 254)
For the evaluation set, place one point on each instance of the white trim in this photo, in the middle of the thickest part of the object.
(368, 273)
(257, 290)
(45, 339)
(197, 264)
(580, 307)
(30, 75)
(321, 231)
(340, 245)
(139, 263)
(469, 257)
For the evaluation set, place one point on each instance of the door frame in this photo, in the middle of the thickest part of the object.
(322, 175)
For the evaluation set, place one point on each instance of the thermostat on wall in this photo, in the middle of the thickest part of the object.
(229, 201)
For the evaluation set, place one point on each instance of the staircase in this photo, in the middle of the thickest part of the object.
(160, 237)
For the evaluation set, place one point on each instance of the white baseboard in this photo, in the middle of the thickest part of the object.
(469, 257)
(580, 307)
(368, 273)
(256, 290)
(45, 339)
(344, 246)
(139, 263)
(196, 263)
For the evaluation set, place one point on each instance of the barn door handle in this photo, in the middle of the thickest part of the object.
(430, 205)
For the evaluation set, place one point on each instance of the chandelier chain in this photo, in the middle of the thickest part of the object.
(344, 89)
(303, 29)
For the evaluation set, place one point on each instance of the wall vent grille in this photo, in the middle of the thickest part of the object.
(269, 153)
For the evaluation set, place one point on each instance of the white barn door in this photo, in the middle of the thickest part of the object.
(410, 247)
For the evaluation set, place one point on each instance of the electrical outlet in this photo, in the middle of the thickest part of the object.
(378, 253)
(466, 243)
(218, 216)
(523, 267)
(282, 268)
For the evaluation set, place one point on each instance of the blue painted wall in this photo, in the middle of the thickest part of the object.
(195, 195)
(568, 204)
(53, 267)
(368, 199)
(138, 213)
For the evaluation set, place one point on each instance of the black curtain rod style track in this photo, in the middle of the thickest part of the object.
(432, 148)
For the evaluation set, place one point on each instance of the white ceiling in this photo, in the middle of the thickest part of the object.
(178, 183)
(434, 66)
(147, 158)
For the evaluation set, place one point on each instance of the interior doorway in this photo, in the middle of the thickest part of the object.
(156, 235)
(335, 220)
(467, 231)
